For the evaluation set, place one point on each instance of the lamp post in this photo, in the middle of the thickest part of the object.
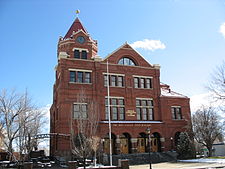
(148, 131)
(171, 139)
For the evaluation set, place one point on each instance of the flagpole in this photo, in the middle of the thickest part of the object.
(109, 117)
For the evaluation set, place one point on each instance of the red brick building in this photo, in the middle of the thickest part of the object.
(137, 98)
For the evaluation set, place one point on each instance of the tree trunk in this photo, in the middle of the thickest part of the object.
(84, 160)
(95, 160)
(210, 150)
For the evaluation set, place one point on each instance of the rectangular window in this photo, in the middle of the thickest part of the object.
(144, 109)
(117, 108)
(122, 113)
(120, 102)
(138, 102)
(144, 114)
(176, 112)
(136, 82)
(72, 76)
(114, 113)
(150, 110)
(83, 55)
(105, 80)
(148, 83)
(80, 111)
(143, 82)
(113, 101)
(77, 54)
(87, 77)
(113, 81)
(138, 110)
(80, 77)
(120, 81)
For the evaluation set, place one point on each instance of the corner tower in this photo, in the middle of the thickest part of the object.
(77, 43)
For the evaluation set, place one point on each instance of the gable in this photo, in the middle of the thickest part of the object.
(128, 52)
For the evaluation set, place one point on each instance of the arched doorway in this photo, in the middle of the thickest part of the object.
(125, 143)
(141, 143)
(106, 143)
(155, 142)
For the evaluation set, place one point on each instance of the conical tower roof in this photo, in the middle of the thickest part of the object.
(76, 26)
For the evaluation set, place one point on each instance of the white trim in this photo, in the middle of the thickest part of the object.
(150, 77)
(78, 103)
(114, 97)
(80, 83)
(175, 106)
(80, 49)
(80, 30)
(144, 98)
(81, 70)
(135, 122)
(113, 74)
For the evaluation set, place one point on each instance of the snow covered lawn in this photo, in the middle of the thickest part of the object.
(203, 160)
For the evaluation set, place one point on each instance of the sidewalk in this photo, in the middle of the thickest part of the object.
(179, 165)
(186, 164)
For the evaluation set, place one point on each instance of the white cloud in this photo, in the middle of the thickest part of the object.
(206, 99)
(149, 44)
(198, 100)
(222, 29)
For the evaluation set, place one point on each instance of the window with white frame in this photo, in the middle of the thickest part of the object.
(79, 76)
(115, 80)
(80, 111)
(144, 109)
(80, 53)
(143, 82)
(176, 112)
(117, 108)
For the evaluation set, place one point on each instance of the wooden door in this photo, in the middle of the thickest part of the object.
(106, 146)
(141, 145)
(124, 146)
(154, 145)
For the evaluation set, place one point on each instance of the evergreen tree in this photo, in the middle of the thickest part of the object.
(185, 148)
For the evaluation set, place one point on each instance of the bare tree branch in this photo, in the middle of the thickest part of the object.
(207, 127)
(84, 125)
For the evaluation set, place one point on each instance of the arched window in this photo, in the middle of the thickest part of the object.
(126, 61)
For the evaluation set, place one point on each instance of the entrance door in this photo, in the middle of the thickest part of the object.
(106, 146)
(124, 146)
(154, 145)
(141, 145)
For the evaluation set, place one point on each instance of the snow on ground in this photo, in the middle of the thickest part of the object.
(204, 160)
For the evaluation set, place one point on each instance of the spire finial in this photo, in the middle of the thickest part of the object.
(77, 12)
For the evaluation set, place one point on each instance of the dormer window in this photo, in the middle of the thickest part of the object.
(126, 61)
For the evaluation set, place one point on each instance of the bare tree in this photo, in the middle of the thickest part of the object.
(95, 142)
(84, 124)
(18, 117)
(30, 125)
(217, 84)
(207, 127)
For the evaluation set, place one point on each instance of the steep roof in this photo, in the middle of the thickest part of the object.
(127, 46)
(76, 26)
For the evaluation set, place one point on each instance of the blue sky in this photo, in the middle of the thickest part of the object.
(188, 29)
